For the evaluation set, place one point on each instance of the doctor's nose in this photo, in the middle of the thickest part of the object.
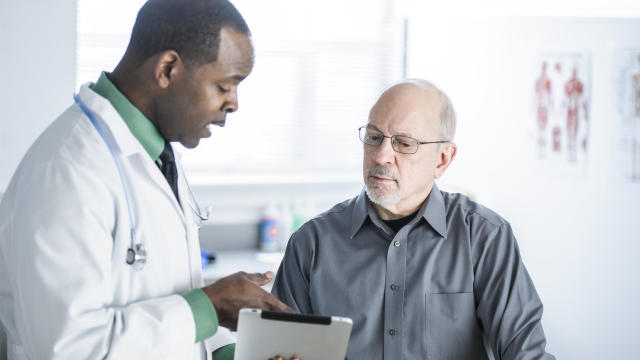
(231, 103)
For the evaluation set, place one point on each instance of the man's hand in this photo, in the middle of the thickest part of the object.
(241, 290)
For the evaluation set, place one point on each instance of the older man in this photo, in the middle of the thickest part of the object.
(423, 273)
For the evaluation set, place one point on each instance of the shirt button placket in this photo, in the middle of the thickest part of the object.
(394, 298)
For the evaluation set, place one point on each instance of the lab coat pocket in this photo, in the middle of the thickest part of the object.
(452, 330)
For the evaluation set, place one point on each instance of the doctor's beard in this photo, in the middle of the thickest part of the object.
(380, 193)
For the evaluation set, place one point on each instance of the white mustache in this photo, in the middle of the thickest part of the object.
(382, 171)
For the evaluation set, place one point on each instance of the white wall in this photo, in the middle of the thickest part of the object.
(37, 68)
(578, 234)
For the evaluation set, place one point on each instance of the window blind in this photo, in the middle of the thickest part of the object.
(320, 66)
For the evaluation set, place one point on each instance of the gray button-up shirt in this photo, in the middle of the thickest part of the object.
(445, 286)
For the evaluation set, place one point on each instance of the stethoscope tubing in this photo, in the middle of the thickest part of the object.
(136, 254)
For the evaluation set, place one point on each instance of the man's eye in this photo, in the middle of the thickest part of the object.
(374, 137)
(223, 89)
(401, 143)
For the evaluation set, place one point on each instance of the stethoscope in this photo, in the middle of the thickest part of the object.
(137, 252)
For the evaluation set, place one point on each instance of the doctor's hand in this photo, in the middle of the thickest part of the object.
(240, 290)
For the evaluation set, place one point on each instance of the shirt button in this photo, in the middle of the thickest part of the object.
(395, 287)
(393, 332)
(396, 244)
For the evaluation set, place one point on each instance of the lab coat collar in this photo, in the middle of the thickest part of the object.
(105, 112)
(126, 142)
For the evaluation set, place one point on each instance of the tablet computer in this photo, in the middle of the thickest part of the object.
(265, 334)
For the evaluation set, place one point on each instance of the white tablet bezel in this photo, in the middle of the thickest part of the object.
(264, 334)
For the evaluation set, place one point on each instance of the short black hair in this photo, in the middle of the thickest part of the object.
(189, 27)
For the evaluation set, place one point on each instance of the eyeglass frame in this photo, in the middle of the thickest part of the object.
(392, 137)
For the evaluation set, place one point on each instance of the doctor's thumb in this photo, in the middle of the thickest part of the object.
(260, 279)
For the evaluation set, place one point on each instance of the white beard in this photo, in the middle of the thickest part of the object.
(378, 195)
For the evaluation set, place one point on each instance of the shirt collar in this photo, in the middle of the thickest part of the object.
(359, 214)
(141, 127)
(435, 212)
(432, 210)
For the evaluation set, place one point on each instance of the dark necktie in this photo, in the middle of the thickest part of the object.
(168, 168)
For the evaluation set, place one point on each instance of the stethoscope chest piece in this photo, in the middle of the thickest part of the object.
(137, 256)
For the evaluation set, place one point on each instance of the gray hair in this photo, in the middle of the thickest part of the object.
(447, 113)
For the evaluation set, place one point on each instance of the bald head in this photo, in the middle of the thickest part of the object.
(419, 122)
(421, 95)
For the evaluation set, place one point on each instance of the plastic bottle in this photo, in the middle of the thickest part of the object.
(302, 212)
(297, 217)
(270, 229)
(207, 258)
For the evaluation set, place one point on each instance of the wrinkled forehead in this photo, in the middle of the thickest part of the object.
(407, 109)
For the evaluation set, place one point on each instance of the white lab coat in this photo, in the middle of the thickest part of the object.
(66, 291)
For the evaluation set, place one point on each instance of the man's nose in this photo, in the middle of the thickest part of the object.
(231, 103)
(384, 153)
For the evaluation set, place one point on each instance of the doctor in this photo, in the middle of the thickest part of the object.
(99, 251)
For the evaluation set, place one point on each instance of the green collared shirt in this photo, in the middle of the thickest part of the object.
(141, 127)
(204, 314)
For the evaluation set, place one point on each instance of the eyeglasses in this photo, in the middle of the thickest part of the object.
(400, 143)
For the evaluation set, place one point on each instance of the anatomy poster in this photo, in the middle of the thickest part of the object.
(627, 62)
(561, 89)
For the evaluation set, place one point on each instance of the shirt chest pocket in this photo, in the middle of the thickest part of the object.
(452, 330)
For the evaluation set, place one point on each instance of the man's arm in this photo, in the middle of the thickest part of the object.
(506, 301)
(291, 285)
(241, 290)
(62, 276)
(63, 279)
(226, 352)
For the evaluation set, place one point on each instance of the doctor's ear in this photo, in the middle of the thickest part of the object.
(167, 68)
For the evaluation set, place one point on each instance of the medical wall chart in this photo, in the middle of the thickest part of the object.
(561, 111)
(627, 85)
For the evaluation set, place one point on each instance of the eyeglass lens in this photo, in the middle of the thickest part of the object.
(399, 143)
